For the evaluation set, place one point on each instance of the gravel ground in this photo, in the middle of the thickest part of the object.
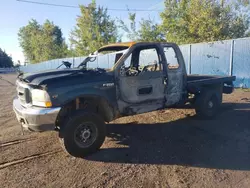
(168, 148)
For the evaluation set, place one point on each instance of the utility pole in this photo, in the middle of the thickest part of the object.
(222, 2)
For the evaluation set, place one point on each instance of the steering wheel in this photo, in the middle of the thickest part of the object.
(145, 68)
(132, 71)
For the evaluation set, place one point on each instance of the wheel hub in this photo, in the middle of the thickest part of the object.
(210, 104)
(86, 134)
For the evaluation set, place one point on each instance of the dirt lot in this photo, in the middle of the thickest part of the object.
(170, 148)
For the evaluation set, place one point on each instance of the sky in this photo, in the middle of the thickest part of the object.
(15, 14)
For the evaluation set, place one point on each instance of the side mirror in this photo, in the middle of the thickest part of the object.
(67, 64)
(93, 53)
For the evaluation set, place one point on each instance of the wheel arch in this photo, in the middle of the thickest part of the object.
(94, 103)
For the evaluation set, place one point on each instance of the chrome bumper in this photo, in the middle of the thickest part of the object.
(35, 118)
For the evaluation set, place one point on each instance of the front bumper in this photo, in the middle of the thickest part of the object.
(35, 118)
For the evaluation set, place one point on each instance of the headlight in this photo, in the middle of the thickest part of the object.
(40, 98)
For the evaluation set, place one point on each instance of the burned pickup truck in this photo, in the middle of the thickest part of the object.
(131, 78)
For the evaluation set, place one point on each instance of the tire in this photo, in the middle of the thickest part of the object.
(207, 104)
(61, 141)
(83, 134)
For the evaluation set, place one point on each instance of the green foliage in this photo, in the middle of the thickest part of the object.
(5, 59)
(148, 30)
(94, 29)
(130, 30)
(189, 21)
(42, 42)
(183, 21)
(243, 2)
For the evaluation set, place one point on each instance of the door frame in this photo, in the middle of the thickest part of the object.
(122, 104)
(175, 97)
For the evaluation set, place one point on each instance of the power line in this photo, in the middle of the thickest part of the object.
(73, 6)
(49, 4)
(153, 8)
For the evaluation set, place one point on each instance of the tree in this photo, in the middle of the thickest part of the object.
(94, 29)
(148, 30)
(42, 42)
(5, 59)
(188, 21)
(131, 30)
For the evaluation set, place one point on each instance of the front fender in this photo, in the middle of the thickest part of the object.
(105, 95)
(62, 96)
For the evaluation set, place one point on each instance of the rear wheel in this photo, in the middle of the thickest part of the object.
(207, 104)
(83, 134)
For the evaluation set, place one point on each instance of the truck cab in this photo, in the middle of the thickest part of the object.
(150, 76)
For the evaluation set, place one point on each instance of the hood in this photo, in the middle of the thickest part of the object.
(59, 76)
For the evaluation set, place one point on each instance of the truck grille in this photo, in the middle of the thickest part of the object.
(23, 93)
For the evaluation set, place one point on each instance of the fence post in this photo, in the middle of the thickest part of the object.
(189, 59)
(231, 58)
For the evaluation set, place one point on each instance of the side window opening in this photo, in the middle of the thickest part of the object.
(149, 59)
(171, 57)
(142, 59)
(127, 62)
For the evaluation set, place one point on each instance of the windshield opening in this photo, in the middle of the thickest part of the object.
(104, 59)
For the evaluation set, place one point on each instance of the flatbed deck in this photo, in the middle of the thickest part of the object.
(195, 82)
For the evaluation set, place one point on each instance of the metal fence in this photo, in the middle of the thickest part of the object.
(228, 57)
(7, 70)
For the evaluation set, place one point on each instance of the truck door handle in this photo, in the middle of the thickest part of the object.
(145, 90)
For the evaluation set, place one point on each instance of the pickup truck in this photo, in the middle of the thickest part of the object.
(131, 78)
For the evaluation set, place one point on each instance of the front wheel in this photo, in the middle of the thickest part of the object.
(83, 134)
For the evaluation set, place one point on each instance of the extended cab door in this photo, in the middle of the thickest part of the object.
(140, 80)
(176, 74)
